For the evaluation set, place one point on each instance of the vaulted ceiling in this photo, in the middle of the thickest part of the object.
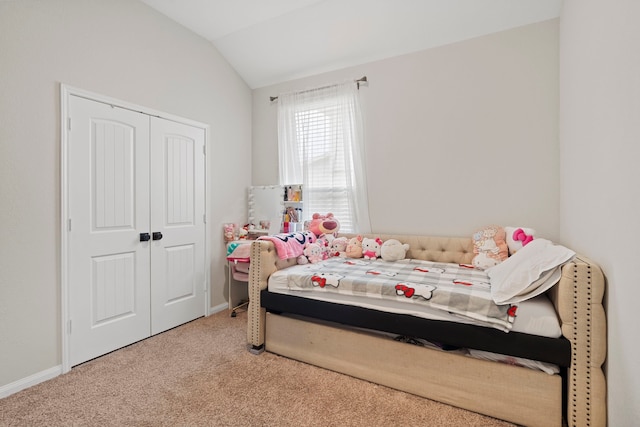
(271, 41)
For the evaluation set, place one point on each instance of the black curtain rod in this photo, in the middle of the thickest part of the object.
(362, 79)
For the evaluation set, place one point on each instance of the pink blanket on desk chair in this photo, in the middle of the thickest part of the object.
(238, 252)
(290, 245)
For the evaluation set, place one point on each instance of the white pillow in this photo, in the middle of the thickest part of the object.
(529, 272)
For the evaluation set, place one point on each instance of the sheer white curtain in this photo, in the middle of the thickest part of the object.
(320, 145)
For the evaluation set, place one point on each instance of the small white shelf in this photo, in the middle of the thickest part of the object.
(258, 231)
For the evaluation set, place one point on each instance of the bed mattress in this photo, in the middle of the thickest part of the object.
(536, 316)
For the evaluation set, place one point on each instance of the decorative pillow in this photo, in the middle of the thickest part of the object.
(517, 237)
(490, 247)
(529, 272)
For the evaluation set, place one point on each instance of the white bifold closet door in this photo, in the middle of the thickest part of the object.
(136, 232)
(178, 212)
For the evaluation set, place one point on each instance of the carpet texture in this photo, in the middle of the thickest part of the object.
(200, 374)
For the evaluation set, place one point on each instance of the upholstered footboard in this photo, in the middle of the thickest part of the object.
(578, 301)
(264, 262)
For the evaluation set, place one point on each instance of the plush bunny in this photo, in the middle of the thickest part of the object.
(354, 248)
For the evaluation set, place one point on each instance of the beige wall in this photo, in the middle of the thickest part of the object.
(125, 50)
(457, 137)
(600, 150)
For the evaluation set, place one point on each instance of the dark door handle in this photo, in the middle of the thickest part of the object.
(144, 237)
(157, 235)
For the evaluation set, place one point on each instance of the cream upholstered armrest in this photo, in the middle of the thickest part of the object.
(578, 301)
(264, 261)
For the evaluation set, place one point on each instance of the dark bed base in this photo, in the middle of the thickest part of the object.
(551, 350)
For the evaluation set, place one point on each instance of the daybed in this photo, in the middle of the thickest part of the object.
(332, 336)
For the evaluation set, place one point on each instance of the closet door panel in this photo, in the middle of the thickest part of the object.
(178, 197)
(109, 278)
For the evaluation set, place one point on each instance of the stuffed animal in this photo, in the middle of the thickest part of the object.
(229, 232)
(305, 239)
(393, 250)
(371, 248)
(354, 248)
(308, 237)
(325, 242)
(489, 246)
(324, 224)
(314, 253)
(338, 247)
(518, 237)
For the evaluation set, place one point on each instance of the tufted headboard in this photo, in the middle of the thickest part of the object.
(438, 249)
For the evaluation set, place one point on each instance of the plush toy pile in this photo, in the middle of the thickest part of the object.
(327, 243)
(491, 244)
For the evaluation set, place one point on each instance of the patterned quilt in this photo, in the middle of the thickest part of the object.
(458, 289)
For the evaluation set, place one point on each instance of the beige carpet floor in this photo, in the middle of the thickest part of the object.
(200, 374)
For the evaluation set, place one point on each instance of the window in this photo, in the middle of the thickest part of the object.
(320, 146)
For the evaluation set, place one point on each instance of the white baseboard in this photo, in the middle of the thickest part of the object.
(31, 380)
(218, 308)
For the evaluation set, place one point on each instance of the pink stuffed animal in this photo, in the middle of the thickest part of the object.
(324, 224)
(338, 247)
(307, 238)
(315, 253)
